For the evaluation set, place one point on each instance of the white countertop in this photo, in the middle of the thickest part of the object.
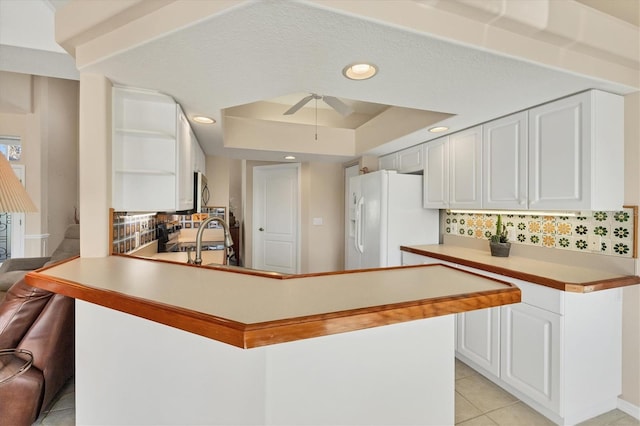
(253, 299)
(571, 273)
(248, 308)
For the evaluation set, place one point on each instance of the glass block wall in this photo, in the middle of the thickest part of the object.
(616, 229)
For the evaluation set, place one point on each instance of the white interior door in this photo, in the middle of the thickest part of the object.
(17, 221)
(276, 218)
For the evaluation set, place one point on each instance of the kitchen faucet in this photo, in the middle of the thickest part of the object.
(228, 242)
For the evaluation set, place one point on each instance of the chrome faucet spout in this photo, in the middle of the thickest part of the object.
(228, 242)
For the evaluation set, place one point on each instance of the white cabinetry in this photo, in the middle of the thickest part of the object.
(564, 155)
(417, 259)
(410, 160)
(478, 335)
(452, 171)
(465, 166)
(531, 350)
(143, 151)
(200, 161)
(504, 163)
(152, 159)
(576, 153)
(558, 351)
(388, 162)
(406, 161)
(186, 141)
(436, 174)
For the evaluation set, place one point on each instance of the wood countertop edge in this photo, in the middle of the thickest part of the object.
(360, 319)
(586, 287)
(248, 336)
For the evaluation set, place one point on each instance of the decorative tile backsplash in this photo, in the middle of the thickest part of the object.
(616, 229)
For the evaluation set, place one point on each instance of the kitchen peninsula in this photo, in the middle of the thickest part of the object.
(159, 342)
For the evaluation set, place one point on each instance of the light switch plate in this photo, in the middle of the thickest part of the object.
(317, 221)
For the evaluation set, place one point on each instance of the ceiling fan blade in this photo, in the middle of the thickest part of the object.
(299, 105)
(335, 103)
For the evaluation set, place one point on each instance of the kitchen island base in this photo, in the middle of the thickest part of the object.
(134, 371)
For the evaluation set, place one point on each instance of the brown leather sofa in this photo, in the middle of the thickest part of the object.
(44, 324)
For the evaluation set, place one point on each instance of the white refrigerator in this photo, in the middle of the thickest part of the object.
(385, 212)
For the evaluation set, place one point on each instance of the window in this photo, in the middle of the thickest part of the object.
(10, 147)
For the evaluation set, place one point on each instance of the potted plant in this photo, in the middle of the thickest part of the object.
(499, 242)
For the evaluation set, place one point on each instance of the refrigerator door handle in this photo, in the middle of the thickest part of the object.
(358, 237)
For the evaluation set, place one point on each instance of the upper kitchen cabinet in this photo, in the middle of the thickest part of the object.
(143, 151)
(504, 163)
(576, 147)
(410, 160)
(186, 150)
(388, 162)
(406, 161)
(152, 166)
(465, 167)
(435, 185)
(199, 158)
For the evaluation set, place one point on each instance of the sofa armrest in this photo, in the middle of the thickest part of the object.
(23, 264)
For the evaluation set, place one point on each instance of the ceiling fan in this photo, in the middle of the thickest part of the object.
(335, 103)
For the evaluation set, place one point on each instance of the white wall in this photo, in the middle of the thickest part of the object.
(322, 247)
(95, 165)
(631, 295)
(48, 129)
(62, 157)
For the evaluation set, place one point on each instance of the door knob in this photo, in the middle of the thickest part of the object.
(260, 229)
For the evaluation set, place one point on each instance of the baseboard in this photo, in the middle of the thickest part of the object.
(629, 408)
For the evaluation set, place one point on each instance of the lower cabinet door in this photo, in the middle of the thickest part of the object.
(478, 338)
(531, 353)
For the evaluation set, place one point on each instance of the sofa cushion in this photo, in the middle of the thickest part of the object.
(69, 247)
(10, 278)
(20, 308)
(51, 339)
(21, 398)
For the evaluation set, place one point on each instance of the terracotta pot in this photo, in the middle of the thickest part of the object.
(500, 249)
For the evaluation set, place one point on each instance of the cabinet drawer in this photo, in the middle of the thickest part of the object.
(417, 259)
(546, 298)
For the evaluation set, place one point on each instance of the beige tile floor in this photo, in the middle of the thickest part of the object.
(479, 402)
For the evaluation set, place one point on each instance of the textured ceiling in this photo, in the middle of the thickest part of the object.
(265, 50)
(255, 53)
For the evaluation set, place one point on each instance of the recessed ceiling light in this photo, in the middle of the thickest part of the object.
(203, 120)
(361, 71)
(438, 129)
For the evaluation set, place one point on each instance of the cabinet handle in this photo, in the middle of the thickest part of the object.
(260, 229)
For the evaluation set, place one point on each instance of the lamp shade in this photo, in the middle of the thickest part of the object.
(13, 196)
